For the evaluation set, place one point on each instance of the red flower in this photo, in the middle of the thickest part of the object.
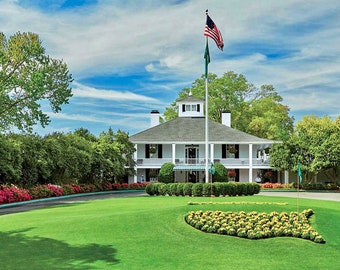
(231, 174)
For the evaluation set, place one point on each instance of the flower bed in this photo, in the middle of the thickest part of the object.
(11, 193)
(277, 186)
(255, 225)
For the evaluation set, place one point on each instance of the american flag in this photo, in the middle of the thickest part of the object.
(212, 31)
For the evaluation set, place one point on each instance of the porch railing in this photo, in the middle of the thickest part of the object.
(141, 162)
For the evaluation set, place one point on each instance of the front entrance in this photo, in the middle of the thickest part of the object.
(192, 176)
(191, 154)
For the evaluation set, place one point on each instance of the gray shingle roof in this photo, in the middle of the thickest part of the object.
(192, 130)
(190, 99)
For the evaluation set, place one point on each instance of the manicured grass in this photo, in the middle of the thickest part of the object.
(150, 233)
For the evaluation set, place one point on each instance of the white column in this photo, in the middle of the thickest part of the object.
(250, 162)
(212, 152)
(173, 153)
(135, 179)
(286, 177)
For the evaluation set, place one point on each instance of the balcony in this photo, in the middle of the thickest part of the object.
(228, 162)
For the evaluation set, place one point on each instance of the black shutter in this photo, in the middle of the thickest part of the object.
(224, 151)
(183, 107)
(237, 155)
(147, 151)
(160, 151)
(198, 107)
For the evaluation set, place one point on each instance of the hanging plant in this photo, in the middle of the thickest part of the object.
(232, 149)
(152, 150)
(231, 174)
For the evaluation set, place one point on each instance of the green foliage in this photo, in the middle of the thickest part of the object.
(197, 190)
(221, 173)
(166, 174)
(27, 77)
(206, 190)
(187, 189)
(172, 190)
(203, 189)
(315, 144)
(58, 158)
(256, 111)
(10, 160)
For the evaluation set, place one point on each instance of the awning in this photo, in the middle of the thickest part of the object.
(189, 168)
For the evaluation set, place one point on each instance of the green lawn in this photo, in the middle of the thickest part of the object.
(150, 233)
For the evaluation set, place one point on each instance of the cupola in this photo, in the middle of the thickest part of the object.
(190, 106)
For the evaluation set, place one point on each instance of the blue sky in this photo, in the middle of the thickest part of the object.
(130, 57)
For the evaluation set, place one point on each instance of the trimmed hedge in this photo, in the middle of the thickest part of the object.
(203, 189)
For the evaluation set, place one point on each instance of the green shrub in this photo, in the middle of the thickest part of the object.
(197, 190)
(312, 186)
(232, 189)
(179, 190)
(217, 189)
(221, 173)
(162, 189)
(257, 188)
(166, 173)
(172, 190)
(187, 189)
(206, 191)
(67, 189)
(150, 189)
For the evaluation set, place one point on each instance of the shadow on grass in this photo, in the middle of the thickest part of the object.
(19, 251)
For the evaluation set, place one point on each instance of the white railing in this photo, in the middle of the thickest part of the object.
(145, 162)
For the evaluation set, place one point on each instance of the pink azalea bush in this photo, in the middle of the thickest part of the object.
(11, 194)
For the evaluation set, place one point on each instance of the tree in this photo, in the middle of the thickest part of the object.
(10, 161)
(28, 78)
(315, 144)
(221, 173)
(114, 156)
(256, 111)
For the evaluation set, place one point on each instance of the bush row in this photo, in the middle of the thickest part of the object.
(11, 193)
(320, 186)
(203, 189)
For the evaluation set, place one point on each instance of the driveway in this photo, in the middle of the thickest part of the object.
(329, 196)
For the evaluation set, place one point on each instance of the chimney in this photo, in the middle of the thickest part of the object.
(226, 118)
(154, 120)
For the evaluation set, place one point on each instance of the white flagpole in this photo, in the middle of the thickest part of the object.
(206, 126)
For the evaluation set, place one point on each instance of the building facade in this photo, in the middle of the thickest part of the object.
(182, 142)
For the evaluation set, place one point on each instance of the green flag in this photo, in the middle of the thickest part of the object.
(299, 172)
(207, 59)
(212, 168)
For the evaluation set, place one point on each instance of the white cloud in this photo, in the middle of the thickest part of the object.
(165, 39)
(90, 92)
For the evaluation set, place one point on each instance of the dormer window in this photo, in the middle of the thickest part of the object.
(191, 108)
